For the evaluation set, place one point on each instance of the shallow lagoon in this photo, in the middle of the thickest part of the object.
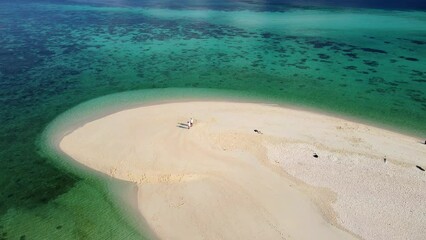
(362, 63)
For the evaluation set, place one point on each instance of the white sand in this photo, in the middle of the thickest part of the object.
(220, 180)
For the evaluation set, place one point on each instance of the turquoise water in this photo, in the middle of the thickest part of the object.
(367, 64)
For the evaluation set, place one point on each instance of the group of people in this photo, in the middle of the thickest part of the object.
(190, 123)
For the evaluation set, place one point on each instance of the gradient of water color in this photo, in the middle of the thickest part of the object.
(362, 63)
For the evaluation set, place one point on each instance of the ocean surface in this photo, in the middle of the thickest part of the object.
(361, 59)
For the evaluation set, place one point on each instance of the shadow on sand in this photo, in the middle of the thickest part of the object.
(182, 125)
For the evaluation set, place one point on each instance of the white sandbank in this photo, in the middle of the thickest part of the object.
(221, 180)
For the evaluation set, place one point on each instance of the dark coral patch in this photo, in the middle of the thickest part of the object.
(418, 42)
(351, 55)
(375, 80)
(371, 63)
(409, 58)
(373, 50)
(350, 67)
(323, 56)
(321, 44)
(267, 35)
(420, 80)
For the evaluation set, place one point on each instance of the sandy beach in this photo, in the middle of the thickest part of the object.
(222, 180)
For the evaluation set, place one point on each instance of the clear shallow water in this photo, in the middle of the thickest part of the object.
(362, 63)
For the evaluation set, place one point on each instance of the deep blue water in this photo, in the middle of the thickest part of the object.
(264, 5)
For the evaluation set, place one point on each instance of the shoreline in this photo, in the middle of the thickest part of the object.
(210, 102)
(106, 105)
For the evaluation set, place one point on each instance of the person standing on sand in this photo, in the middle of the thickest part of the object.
(191, 121)
(188, 124)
